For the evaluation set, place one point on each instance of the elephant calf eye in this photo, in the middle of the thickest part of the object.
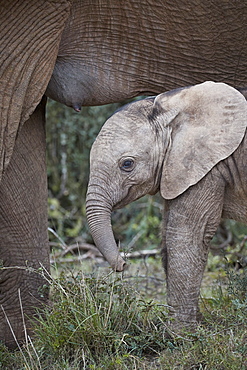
(127, 165)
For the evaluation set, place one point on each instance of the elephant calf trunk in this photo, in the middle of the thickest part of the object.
(99, 221)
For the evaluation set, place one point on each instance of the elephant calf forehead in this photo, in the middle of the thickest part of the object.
(121, 128)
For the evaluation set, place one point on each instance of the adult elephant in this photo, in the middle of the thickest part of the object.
(88, 53)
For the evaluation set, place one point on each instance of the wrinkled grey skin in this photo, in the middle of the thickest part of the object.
(82, 52)
(190, 144)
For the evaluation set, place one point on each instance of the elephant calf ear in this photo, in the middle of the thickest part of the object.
(207, 123)
(30, 37)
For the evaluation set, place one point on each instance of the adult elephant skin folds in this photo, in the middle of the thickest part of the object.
(191, 145)
(125, 48)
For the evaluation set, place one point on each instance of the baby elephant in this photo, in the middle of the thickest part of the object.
(191, 145)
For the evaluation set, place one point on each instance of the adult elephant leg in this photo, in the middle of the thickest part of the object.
(23, 230)
(191, 221)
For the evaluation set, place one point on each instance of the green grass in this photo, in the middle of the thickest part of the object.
(107, 321)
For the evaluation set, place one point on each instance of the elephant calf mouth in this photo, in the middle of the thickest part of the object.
(129, 198)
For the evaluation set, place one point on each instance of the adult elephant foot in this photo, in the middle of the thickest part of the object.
(23, 232)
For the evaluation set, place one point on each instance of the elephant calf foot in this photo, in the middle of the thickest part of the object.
(184, 321)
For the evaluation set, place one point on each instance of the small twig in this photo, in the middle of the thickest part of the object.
(224, 244)
(57, 236)
(152, 278)
(135, 239)
(36, 354)
(73, 259)
(27, 337)
(242, 244)
(23, 318)
(93, 252)
(140, 254)
(84, 246)
(13, 334)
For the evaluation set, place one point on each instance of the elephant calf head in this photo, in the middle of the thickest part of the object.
(166, 143)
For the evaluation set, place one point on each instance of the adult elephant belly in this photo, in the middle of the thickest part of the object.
(107, 55)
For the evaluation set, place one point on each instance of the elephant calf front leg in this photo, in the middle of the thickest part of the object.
(191, 221)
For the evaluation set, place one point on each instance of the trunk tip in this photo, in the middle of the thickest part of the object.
(120, 265)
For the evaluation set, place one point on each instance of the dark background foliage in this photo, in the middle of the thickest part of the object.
(69, 139)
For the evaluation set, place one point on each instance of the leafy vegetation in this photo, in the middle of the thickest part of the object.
(103, 321)
(69, 138)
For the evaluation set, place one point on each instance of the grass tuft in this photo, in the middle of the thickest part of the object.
(103, 317)
(102, 322)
